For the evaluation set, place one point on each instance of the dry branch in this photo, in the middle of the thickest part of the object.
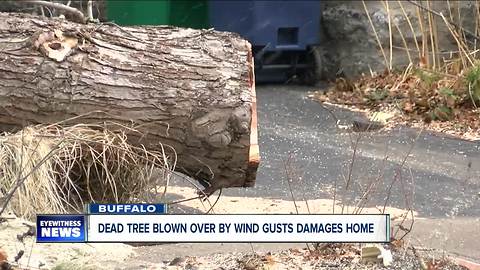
(75, 12)
(431, 11)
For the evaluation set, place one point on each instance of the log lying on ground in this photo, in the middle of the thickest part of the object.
(190, 89)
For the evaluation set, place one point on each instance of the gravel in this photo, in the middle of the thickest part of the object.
(334, 256)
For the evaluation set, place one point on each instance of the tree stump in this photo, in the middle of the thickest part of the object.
(190, 89)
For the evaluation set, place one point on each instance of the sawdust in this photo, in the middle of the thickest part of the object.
(254, 205)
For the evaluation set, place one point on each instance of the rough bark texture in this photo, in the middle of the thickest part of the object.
(190, 89)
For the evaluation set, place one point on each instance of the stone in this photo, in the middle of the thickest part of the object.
(177, 261)
(350, 48)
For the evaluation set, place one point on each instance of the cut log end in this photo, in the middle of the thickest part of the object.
(254, 151)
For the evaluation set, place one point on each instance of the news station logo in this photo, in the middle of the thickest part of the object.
(74, 228)
(61, 228)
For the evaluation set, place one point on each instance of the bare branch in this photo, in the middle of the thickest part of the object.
(90, 10)
(77, 13)
(431, 11)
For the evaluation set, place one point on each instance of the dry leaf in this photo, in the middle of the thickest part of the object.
(3, 256)
(408, 107)
(397, 243)
(270, 260)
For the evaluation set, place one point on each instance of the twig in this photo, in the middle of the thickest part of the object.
(30, 253)
(399, 170)
(411, 27)
(90, 10)
(435, 33)
(457, 39)
(438, 73)
(21, 180)
(352, 162)
(387, 7)
(216, 201)
(424, 56)
(404, 43)
(471, 95)
(371, 187)
(185, 200)
(449, 7)
(202, 195)
(121, 29)
(19, 255)
(286, 163)
(77, 13)
(465, 31)
(376, 34)
(294, 175)
(291, 174)
(334, 195)
(432, 36)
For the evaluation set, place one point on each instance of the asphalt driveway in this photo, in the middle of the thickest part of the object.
(441, 176)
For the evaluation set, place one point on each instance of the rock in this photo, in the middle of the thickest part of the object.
(371, 254)
(191, 267)
(19, 255)
(387, 257)
(4, 265)
(376, 253)
(177, 261)
(363, 125)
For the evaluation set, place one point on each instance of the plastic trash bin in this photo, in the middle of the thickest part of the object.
(189, 13)
(281, 32)
(138, 12)
(276, 25)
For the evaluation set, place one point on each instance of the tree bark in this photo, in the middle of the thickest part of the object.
(189, 89)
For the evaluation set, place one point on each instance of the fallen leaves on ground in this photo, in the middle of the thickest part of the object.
(440, 102)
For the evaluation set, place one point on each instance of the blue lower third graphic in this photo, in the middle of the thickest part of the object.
(61, 228)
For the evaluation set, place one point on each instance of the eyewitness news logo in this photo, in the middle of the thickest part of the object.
(61, 228)
(74, 228)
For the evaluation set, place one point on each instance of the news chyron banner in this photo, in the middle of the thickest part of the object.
(125, 223)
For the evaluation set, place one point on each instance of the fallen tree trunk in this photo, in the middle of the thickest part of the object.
(189, 89)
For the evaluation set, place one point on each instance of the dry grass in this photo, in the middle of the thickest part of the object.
(54, 169)
(440, 87)
(429, 20)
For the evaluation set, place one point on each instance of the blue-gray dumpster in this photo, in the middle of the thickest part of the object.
(281, 32)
